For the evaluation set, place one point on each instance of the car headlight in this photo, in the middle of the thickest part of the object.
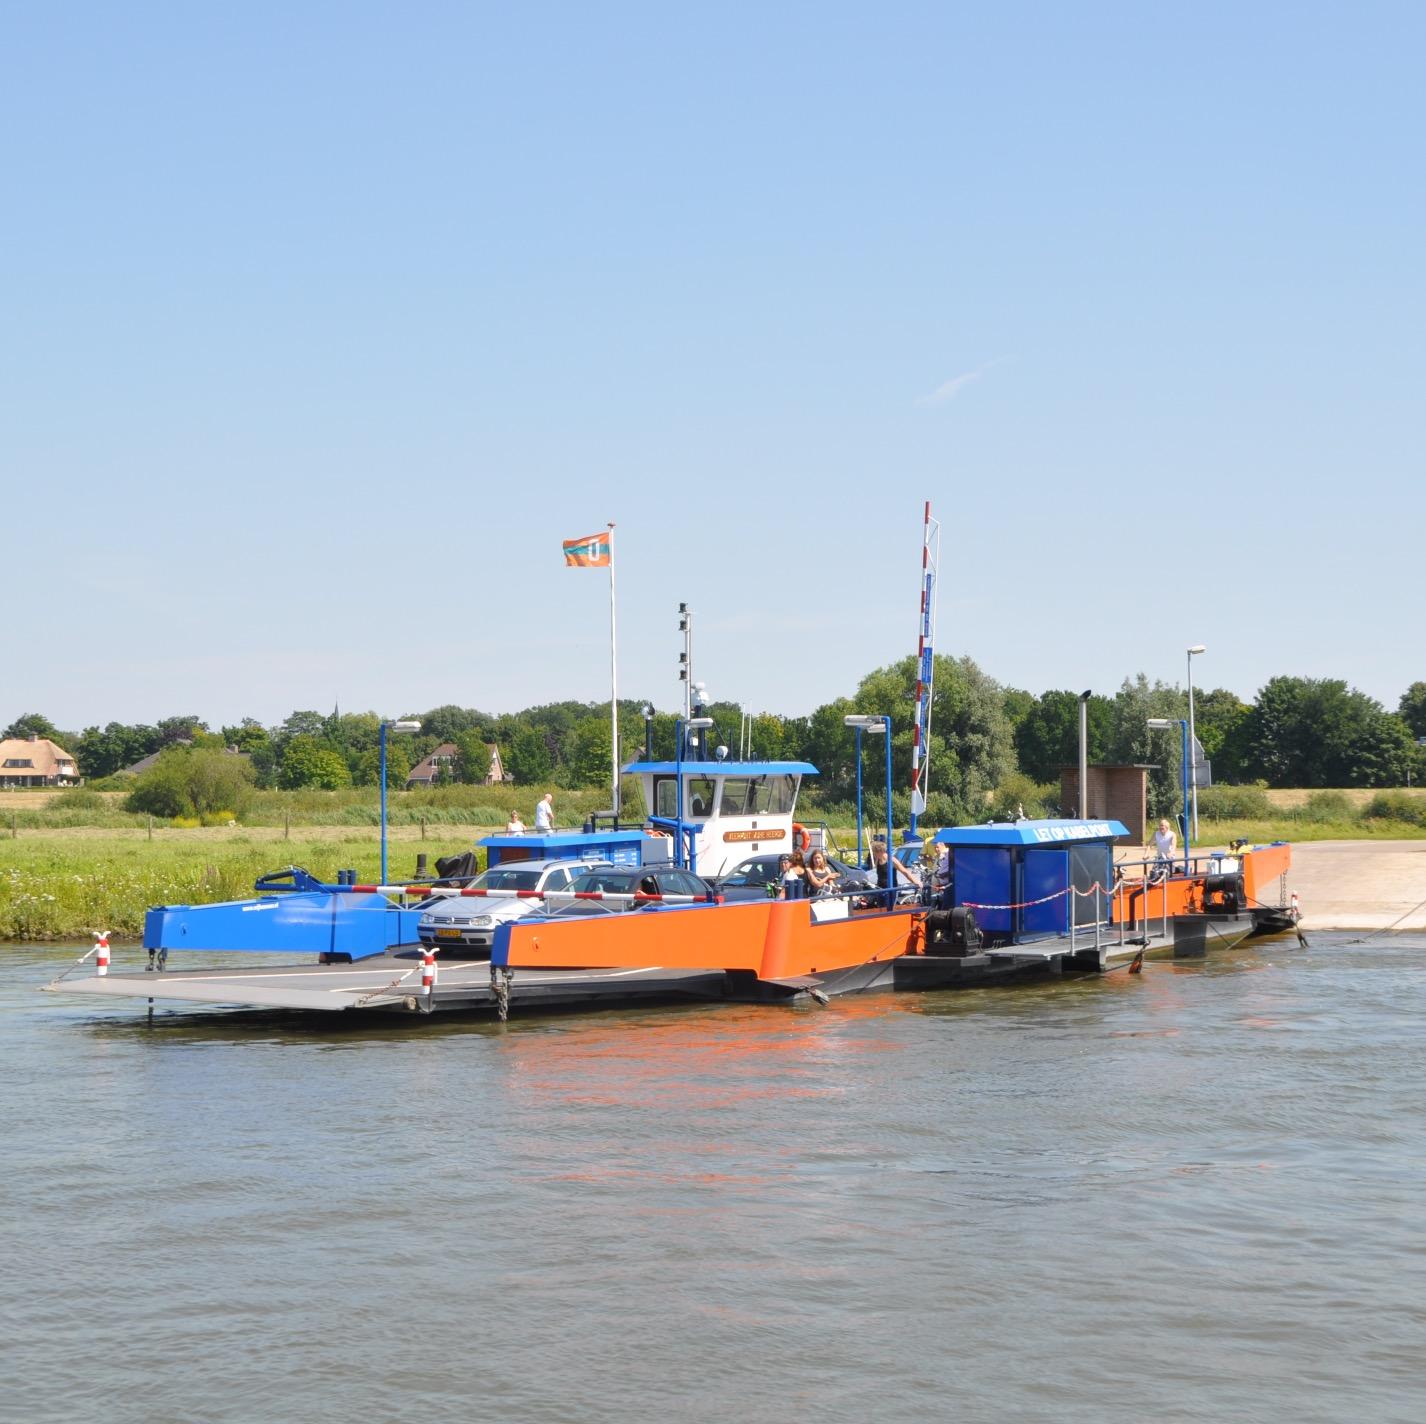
(482, 922)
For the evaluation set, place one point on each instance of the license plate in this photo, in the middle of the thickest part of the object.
(448, 934)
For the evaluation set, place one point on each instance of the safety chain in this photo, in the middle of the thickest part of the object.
(400, 979)
(77, 963)
(500, 987)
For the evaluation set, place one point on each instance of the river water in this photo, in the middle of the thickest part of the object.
(1191, 1195)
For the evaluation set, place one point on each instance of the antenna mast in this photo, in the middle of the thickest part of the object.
(925, 669)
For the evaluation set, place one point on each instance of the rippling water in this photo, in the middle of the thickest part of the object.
(1192, 1195)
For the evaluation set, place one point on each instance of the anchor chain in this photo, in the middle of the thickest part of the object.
(500, 988)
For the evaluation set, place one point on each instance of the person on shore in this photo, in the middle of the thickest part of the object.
(794, 876)
(545, 815)
(514, 826)
(821, 878)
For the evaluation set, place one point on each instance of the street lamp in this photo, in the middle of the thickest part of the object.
(1160, 724)
(871, 722)
(408, 725)
(1192, 741)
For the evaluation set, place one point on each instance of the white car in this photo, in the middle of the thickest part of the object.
(469, 921)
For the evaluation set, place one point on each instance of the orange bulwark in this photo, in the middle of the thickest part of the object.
(770, 939)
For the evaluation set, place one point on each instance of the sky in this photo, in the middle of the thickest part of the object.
(324, 324)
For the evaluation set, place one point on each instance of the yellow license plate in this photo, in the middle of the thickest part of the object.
(448, 934)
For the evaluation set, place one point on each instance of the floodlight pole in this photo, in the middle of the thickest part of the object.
(398, 726)
(1192, 740)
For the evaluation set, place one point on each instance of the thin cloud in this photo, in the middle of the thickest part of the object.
(947, 391)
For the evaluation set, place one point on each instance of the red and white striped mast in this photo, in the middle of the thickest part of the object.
(925, 668)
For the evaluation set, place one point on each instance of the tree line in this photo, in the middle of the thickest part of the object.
(990, 746)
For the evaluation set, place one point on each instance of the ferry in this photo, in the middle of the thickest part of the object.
(1010, 901)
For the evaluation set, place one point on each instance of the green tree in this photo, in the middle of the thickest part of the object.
(306, 762)
(247, 736)
(301, 724)
(1304, 731)
(172, 730)
(1134, 744)
(1047, 738)
(193, 781)
(1017, 704)
(1216, 717)
(103, 752)
(527, 758)
(448, 722)
(32, 724)
(472, 764)
(587, 759)
(366, 767)
(1412, 710)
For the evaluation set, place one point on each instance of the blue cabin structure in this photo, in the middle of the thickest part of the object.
(1018, 876)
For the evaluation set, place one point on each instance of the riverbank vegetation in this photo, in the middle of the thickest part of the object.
(68, 871)
(1298, 732)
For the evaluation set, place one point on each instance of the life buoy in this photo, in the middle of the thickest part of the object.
(799, 834)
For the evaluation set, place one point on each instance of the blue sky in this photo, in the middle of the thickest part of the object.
(324, 324)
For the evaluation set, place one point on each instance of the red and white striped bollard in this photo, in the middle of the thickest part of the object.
(428, 972)
(101, 952)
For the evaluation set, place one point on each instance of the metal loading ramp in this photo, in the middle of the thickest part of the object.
(394, 984)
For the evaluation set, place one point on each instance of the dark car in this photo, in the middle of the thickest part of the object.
(752, 879)
(621, 880)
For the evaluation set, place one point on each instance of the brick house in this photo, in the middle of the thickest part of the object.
(35, 761)
(427, 771)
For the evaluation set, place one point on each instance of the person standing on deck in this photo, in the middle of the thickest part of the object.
(514, 826)
(545, 815)
(1165, 841)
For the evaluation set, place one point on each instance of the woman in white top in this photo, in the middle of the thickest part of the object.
(1165, 841)
(514, 826)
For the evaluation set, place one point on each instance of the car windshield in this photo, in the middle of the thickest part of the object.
(502, 879)
(752, 872)
(610, 882)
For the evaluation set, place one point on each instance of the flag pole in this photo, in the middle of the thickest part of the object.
(613, 678)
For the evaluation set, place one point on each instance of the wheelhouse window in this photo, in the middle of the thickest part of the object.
(698, 799)
(758, 795)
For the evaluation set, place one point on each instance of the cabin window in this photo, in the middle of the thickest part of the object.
(777, 795)
(736, 793)
(758, 795)
(697, 802)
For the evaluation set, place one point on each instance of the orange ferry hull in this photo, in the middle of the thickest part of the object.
(770, 939)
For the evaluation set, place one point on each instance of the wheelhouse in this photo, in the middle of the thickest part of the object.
(720, 812)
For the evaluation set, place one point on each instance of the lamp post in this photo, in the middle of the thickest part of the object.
(1159, 724)
(681, 728)
(871, 722)
(1084, 754)
(1192, 741)
(398, 726)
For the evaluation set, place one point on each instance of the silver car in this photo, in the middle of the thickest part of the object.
(468, 922)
